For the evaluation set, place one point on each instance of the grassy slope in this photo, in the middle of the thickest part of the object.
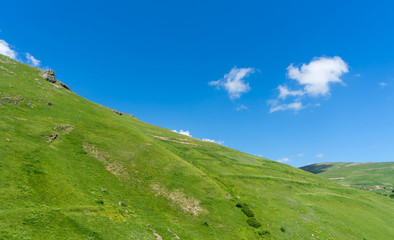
(70, 188)
(357, 175)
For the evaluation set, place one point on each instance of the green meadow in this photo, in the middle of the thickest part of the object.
(73, 169)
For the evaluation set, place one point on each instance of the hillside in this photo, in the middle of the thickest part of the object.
(73, 169)
(377, 177)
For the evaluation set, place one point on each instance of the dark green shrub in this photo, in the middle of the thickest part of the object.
(282, 229)
(205, 224)
(253, 222)
(245, 209)
(264, 232)
(391, 195)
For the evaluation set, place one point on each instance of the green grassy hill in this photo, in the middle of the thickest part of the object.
(376, 177)
(73, 169)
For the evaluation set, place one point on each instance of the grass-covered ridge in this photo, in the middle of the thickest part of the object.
(74, 169)
(370, 176)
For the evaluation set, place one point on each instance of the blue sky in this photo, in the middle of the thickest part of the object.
(294, 81)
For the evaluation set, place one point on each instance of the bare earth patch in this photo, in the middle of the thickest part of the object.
(177, 140)
(190, 204)
(114, 168)
(158, 237)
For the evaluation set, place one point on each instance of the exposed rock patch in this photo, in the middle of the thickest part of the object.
(7, 70)
(49, 75)
(12, 100)
(117, 112)
(51, 137)
(64, 129)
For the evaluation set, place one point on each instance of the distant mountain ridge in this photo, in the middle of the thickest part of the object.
(373, 176)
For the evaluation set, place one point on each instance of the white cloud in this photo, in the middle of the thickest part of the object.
(234, 83)
(6, 50)
(241, 107)
(295, 106)
(208, 140)
(32, 60)
(284, 92)
(383, 84)
(212, 141)
(282, 160)
(315, 80)
(300, 154)
(186, 133)
(317, 75)
(320, 155)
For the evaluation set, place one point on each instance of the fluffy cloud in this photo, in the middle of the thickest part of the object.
(234, 83)
(32, 60)
(282, 160)
(295, 106)
(317, 76)
(315, 80)
(186, 133)
(300, 154)
(6, 50)
(320, 155)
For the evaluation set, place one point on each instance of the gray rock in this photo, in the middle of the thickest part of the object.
(117, 112)
(49, 75)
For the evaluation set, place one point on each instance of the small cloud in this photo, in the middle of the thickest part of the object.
(212, 141)
(284, 92)
(6, 50)
(295, 106)
(32, 60)
(357, 75)
(320, 155)
(300, 154)
(186, 133)
(282, 160)
(383, 84)
(241, 107)
(234, 82)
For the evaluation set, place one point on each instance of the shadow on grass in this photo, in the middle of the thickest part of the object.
(316, 169)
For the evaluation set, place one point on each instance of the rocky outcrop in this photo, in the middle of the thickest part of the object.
(49, 75)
